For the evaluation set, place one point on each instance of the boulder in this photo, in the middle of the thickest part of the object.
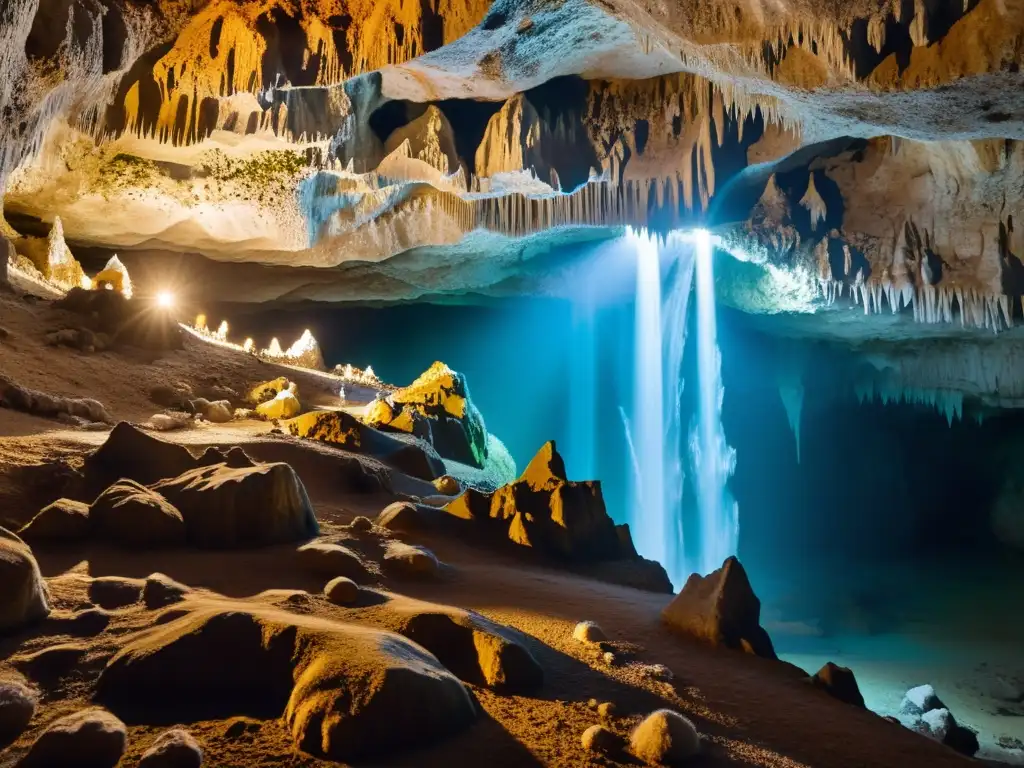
(91, 738)
(447, 485)
(219, 412)
(130, 453)
(23, 595)
(63, 520)
(267, 390)
(176, 748)
(226, 507)
(17, 706)
(330, 560)
(940, 725)
(664, 737)
(588, 632)
(411, 561)
(606, 710)
(113, 592)
(284, 405)
(597, 738)
(132, 515)
(919, 700)
(721, 609)
(436, 407)
(344, 430)
(346, 692)
(160, 590)
(171, 395)
(400, 516)
(839, 683)
(342, 591)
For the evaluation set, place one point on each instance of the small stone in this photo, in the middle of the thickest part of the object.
(588, 632)
(361, 524)
(663, 737)
(609, 658)
(17, 705)
(173, 749)
(592, 703)
(342, 591)
(597, 738)
(91, 737)
(607, 710)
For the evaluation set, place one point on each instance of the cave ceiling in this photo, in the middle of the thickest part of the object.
(863, 160)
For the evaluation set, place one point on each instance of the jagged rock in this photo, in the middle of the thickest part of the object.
(940, 725)
(436, 407)
(17, 706)
(919, 700)
(53, 259)
(343, 429)
(23, 595)
(160, 590)
(91, 738)
(330, 560)
(400, 516)
(664, 737)
(63, 520)
(267, 390)
(134, 516)
(226, 507)
(597, 738)
(722, 609)
(588, 632)
(37, 403)
(408, 560)
(344, 691)
(130, 453)
(176, 748)
(284, 405)
(114, 276)
(341, 591)
(233, 457)
(839, 683)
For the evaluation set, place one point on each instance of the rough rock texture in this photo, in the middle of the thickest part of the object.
(664, 738)
(17, 706)
(32, 401)
(91, 738)
(63, 520)
(839, 683)
(345, 691)
(436, 407)
(344, 430)
(919, 700)
(134, 516)
(722, 609)
(176, 748)
(23, 594)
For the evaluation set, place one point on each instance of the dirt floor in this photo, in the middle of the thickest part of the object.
(750, 711)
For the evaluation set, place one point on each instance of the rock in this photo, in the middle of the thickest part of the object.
(345, 430)
(112, 592)
(447, 485)
(87, 623)
(408, 560)
(721, 609)
(176, 748)
(401, 516)
(942, 726)
(267, 390)
(17, 706)
(160, 590)
(23, 595)
(919, 700)
(608, 658)
(588, 632)
(345, 692)
(130, 453)
(53, 662)
(91, 738)
(839, 683)
(168, 422)
(545, 511)
(361, 524)
(597, 738)
(225, 507)
(664, 737)
(284, 405)
(63, 520)
(606, 710)
(342, 591)
(436, 407)
(19, 398)
(660, 672)
(171, 395)
(219, 412)
(132, 515)
(234, 457)
(330, 560)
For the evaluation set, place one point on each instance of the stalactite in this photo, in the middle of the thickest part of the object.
(814, 204)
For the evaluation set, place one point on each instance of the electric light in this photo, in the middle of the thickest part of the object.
(165, 299)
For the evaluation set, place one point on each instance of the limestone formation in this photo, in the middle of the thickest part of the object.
(345, 692)
(63, 520)
(113, 277)
(330, 560)
(435, 407)
(17, 706)
(664, 737)
(23, 594)
(722, 609)
(226, 507)
(839, 683)
(89, 737)
(134, 516)
(176, 748)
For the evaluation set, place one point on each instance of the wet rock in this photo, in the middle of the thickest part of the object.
(176, 748)
(113, 592)
(664, 737)
(62, 521)
(919, 700)
(132, 515)
(588, 632)
(225, 507)
(839, 683)
(342, 591)
(160, 590)
(721, 609)
(401, 516)
(17, 706)
(23, 595)
(91, 738)
(330, 560)
(411, 561)
(597, 738)
(346, 692)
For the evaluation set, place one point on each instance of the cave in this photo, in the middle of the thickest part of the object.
(493, 382)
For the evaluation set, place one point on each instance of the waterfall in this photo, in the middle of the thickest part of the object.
(714, 460)
(582, 456)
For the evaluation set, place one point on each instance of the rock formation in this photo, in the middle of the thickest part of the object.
(23, 598)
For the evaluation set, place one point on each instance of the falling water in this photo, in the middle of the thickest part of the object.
(713, 460)
(581, 456)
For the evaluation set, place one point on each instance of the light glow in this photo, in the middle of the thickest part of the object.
(165, 299)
